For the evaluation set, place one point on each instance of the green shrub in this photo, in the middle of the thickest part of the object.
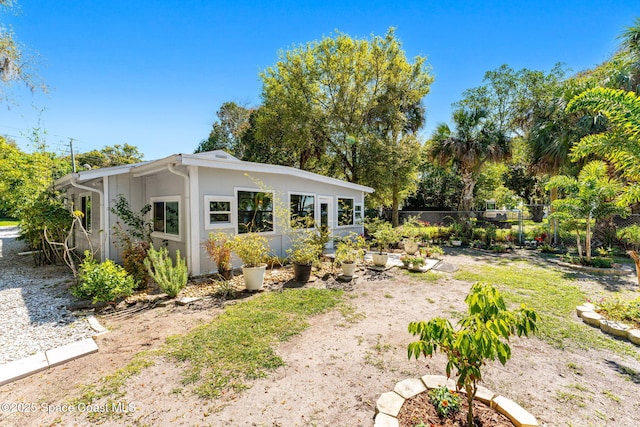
(102, 282)
(133, 256)
(171, 279)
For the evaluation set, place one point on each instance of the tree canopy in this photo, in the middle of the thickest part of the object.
(338, 105)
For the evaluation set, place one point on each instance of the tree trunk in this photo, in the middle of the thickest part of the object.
(471, 393)
(537, 213)
(587, 239)
(395, 202)
(636, 258)
(468, 185)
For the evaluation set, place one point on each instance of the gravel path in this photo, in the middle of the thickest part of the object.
(33, 316)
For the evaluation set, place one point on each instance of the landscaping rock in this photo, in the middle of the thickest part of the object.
(409, 387)
(389, 403)
(584, 308)
(634, 336)
(614, 328)
(591, 318)
(518, 416)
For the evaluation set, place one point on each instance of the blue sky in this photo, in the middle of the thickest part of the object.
(154, 73)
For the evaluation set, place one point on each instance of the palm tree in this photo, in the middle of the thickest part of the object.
(473, 142)
(620, 146)
(591, 196)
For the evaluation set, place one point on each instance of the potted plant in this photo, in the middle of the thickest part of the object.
(304, 252)
(412, 262)
(411, 230)
(383, 235)
(253, 249)
(433, 251)
(218, 247)
(349, 250)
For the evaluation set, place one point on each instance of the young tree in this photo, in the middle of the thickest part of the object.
(481, 336)
(591, 196)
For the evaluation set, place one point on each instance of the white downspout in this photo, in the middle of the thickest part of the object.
(187, 201)
(74, 182)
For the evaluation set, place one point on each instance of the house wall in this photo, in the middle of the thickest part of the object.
(81, 243)
(216, 182)
(133, 190)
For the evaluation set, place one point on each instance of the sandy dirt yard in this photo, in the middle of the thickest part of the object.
(336, 369)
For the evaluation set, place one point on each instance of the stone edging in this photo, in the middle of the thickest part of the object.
(587, 312)
(389, 404)
(30, 365)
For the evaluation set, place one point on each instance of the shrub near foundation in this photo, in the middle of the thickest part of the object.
(102, 282)
(171, 279)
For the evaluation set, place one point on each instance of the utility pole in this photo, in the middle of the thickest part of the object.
(73, 156)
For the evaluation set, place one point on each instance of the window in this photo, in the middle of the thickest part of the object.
(303, 210)
(345, 211)
(166, 217)
(255, 211)
(358, 213)
(85, 208)
(218, 212)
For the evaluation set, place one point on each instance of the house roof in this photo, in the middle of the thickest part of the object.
(217, 159)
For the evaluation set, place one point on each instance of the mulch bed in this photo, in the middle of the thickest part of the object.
(419, 409)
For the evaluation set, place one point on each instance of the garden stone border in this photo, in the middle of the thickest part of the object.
(389, 404)
(587, 312)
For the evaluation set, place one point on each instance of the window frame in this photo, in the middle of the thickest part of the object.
(353, 211)
(358, 208)
(237, 190)
(313, 214)
(163, 234)
(86, 219)
(208, 225)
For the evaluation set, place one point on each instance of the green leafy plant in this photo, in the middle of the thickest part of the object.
(218, 247)
(383, 235)
(482, 335)
(620, 310)
(307, 242)
(412, 261)
(102, 282)
(445, 401)
(251, 248)
(133, 233)
(432, 251)
(350, 249)
(171, 279)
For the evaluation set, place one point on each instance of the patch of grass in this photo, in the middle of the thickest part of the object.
(570, 398)
(577, 369)
(238, 345)
(111, 386)
(554, 296)
(388, 296)
(350, 314)
(427, 276)
(8, 221)
(611, 396)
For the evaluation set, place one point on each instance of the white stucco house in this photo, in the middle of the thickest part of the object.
(194, 194)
